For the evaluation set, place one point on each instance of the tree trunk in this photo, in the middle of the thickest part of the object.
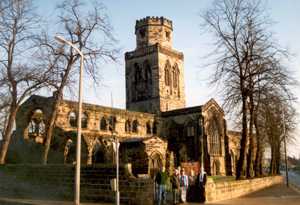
(240, 169)
(50, 127)
(8, 133)
(250, 156)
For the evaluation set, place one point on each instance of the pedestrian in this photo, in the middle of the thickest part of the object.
(190, 195)
(184, 183)
(200, 183)
(175, 186)
(161, 180)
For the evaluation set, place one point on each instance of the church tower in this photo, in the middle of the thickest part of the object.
(154, 70)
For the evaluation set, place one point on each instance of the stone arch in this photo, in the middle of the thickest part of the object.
(155, 163)
(84, 120)
(103, 124)
(98, 155)
(72, 118)
(36, 126)
(216, 167)
(135, 126)
(112, 123)
(128, 126)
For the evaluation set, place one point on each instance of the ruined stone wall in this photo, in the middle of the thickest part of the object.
(217, 191)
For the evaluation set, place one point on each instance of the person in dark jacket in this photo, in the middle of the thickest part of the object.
(200, 184)
(175, 186)
(161, 180)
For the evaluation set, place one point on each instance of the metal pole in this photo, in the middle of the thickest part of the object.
(285, 154)
(202, 141)
(117, 172)
(78, 148)
(78, 145)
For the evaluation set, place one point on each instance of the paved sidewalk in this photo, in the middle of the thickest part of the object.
(275, 195)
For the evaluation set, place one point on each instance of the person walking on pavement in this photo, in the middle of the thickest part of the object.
(161, 180)
(184, 183)
(200, 183)
(175, 186)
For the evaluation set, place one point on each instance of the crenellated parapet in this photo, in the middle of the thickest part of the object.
(153, 20)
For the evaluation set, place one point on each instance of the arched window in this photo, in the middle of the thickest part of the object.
(137, 73)
(167, 74)
(215, 137)
(84, 120)
(127, 126)
(37, 125)
(148, 128)
(147, 73)
(103, 124)
(154, 128)
(112, 123)
(135, 125)
(73, 119)
(175, 73)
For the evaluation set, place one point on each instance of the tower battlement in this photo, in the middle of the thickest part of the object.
(154, 21)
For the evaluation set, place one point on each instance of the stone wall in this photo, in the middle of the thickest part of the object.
(217, 191)
(95, 183)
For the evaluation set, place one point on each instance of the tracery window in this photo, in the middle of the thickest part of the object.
(103, 124)
(215, 137)
(167, 74)
(175, 73)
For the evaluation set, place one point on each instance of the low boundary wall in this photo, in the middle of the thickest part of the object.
(217, 191)
(95, 183)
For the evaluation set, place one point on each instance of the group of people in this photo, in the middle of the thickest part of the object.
(184, 188)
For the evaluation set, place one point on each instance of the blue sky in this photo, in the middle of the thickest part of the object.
(186, 38)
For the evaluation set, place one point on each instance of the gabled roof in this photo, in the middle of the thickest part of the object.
(212, 102)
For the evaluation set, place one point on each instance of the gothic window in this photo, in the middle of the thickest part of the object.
(84, 120)
(148, 128)
(103, 124)
(167, 74)
(127, 126)
(135, 125)
(112, 123)
(37, 125)
(215, 141)
(73, 119)
(175, 73)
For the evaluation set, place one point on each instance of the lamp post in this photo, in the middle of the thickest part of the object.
(78, 145)
(285, 154)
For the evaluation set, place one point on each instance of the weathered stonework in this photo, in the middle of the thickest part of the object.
(155, 124)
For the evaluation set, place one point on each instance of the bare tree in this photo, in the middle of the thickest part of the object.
(19, 77)
(88, 28)
(246, 59)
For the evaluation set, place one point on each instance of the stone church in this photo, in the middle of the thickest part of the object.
(156, 128)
